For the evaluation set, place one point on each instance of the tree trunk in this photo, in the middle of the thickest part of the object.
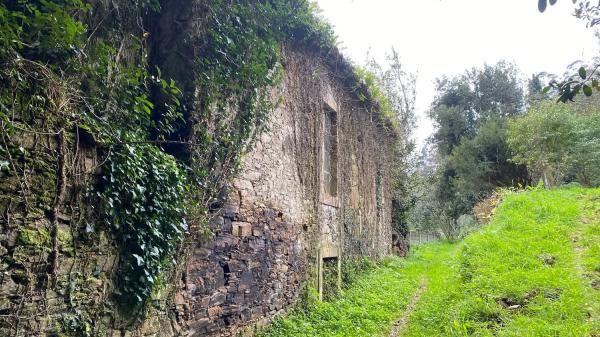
(545, 180)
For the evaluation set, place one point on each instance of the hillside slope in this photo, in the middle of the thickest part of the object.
(533, 271)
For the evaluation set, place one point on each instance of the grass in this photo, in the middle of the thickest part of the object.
(370, 305)
(533, 271)
(522, 275)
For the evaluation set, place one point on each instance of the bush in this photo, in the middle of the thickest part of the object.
(354, 268)
(557, 143)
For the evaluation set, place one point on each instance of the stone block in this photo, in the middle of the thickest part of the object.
(215, 311)
(253, 176)
(230, 309)
(205, 301)
(242, 184)
(217, 299)
(231, 210)
(200, 323)
(179, 299)
(241, 229)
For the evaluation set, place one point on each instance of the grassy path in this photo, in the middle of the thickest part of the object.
(372, 304)
(400, 324)
(520, 275)
(533, 271)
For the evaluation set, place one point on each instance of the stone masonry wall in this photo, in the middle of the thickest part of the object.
(275, 226)
(49, 289)
(269, 239)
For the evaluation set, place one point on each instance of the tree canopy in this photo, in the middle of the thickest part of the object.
(470, 113)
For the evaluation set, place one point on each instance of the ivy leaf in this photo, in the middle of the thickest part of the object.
(88, 228)
(587, 90)
(3, 165)
(582, 73)
(138, 259)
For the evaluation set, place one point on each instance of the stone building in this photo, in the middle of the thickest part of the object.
(313, 192)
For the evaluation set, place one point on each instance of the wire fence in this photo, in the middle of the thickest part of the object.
(419, 237)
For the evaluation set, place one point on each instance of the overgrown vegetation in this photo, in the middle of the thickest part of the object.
(79, 72)
(235, 64)
(532, 272)
(558, 143)
(143, 203)
(362, 310)
(522, 275)
(59, 78)
(354, 268)
(394, 88)
(490, 134)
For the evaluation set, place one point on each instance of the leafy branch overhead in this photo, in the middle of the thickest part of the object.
(583, 82)
(585, 9)
(586, 80)
(542, 4)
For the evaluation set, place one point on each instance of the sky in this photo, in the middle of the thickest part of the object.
(445, 37)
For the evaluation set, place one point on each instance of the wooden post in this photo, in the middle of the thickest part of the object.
(320, 273)
(339, 267)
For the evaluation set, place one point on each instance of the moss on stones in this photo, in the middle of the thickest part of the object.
(65, 241)
(35, 237)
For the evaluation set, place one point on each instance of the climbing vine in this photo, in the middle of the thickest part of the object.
(60, 78)
(236, 63)
(78, 71)
(143, 203)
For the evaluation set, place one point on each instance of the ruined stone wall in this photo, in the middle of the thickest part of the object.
(277, 227)
(269, 239)
(57, 264)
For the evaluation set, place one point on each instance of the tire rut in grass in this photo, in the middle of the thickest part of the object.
(591, 276)
(403, 320)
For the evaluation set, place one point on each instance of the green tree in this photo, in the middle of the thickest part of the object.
(482, 163)
(464, 101)
(558, 142)
(587, 162)
(451, 125)
(535, 88)
(545, 140)
(469, 113)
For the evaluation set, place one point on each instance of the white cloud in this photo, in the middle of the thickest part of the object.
(437, 37)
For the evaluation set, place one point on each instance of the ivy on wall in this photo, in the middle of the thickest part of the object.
(237, 61)
(81, 67)
(60, 78)
(142, 193)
